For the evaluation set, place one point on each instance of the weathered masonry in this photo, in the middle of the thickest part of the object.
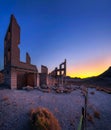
(43, 75)
(17, 74)
(56, 77)
(59, 73)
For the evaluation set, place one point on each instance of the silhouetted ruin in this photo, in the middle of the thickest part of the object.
(43, 75)
(17, 74)
(59, 73)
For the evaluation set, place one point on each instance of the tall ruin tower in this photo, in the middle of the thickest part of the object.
(11, 42)
(17, 74)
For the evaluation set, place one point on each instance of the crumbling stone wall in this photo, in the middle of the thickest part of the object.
(44, 76)
(17, 73)
(28, 59)
(59, 73)
(1, 77)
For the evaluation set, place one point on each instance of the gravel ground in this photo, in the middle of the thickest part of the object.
(16, 104)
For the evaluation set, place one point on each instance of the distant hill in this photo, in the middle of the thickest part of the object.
(106, 74)
(103, 80)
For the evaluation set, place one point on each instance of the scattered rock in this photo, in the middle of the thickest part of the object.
(28, 88)
(63, 90)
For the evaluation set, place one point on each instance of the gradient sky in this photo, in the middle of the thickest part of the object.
(52, 30)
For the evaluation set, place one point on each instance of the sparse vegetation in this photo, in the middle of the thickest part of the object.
(15, 104)
(97, 114)
(5, 98)
(43, 119)
(90, 118)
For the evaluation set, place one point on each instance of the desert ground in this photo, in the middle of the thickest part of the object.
(15, 106)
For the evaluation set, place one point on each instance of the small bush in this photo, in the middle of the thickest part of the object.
(90, 118)
(97, 114)
(43, 119)
(5, 98)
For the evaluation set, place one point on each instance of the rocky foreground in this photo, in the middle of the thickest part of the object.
(15, 106)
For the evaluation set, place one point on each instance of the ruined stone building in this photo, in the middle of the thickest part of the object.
(58, 75)
(43, 76)
(16, 73)
(59, 72)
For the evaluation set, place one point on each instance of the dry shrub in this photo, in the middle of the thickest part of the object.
(43, 119)
(90, 118)
(5, 98)
(97, 114)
